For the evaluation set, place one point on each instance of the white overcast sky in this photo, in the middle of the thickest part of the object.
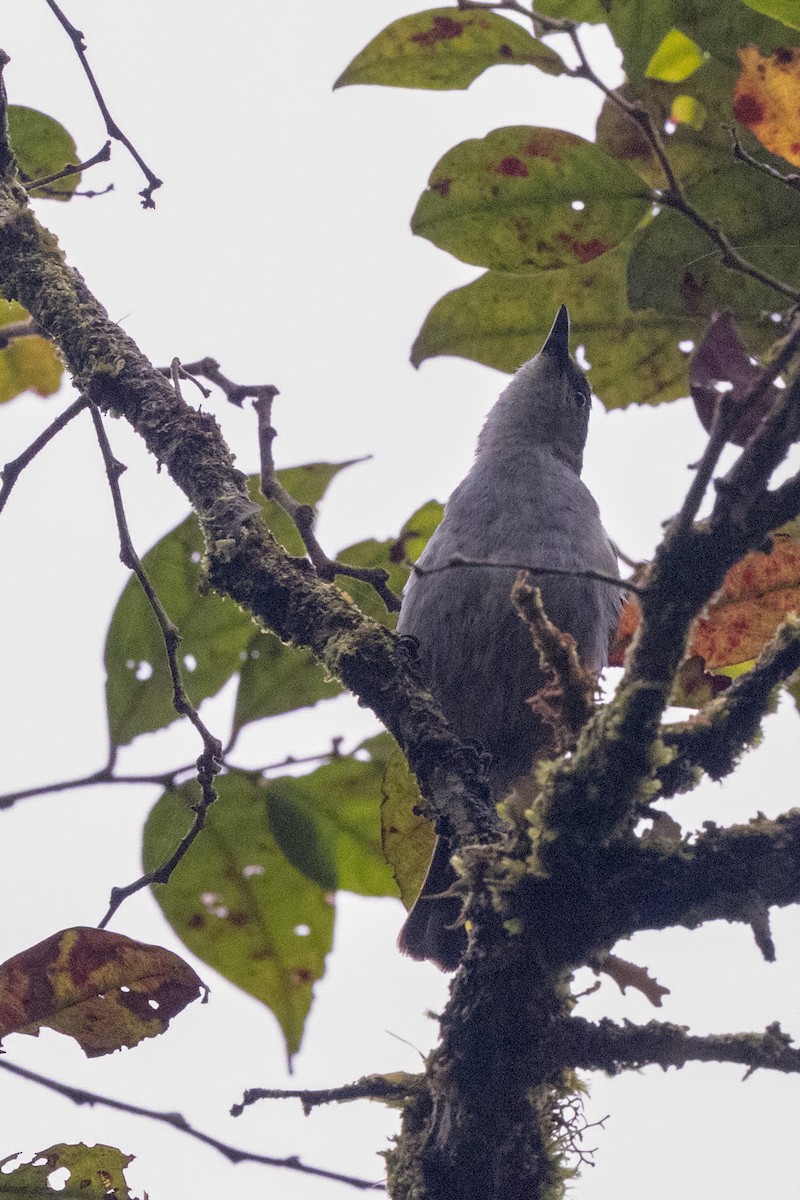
(280, 245)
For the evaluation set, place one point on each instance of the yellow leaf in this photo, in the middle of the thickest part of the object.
(675, 59)
(27, 363)
(767, 99)
(685, 110)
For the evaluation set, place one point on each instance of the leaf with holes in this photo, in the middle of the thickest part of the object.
(217, 637)
(91, 1173)
(767, 99)
(238, 903)
(27, 363)
(502, 320)
(529, 199)
(42, 147)
(102, 989)
(445, 49)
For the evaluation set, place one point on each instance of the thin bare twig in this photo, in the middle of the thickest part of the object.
(457, 561)
(792, 180)
(372, 1087)
(163, 779)
(12, 470)
(102, 155)
(209, 763)
(112, 129)
(179, 1122)
(208, 368)
(303, 514)
(15, 329)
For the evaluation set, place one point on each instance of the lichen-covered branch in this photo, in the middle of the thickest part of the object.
(614, 1048)
(244, 562)
(716, 737)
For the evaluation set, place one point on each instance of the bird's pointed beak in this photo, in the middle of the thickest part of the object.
(557, 341)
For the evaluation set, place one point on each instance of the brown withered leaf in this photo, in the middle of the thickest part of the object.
(723, 359)
(627, 974)
(757, 595)
(767, 99)
(102, 989)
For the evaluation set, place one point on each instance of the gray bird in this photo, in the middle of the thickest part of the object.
(522, 502)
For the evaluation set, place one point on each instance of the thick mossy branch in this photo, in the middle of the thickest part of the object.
(614, 1048)
(714, 740)
(244, 562)
(732, 874)
(493, 1130)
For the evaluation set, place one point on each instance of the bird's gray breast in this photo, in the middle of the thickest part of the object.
(474, 650)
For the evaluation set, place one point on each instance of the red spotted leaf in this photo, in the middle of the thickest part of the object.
(445, 48)
(758, 594)
(529, 199)
(102, 989)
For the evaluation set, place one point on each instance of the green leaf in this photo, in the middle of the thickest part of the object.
(445, 48)
(785, 11)
(237, 902)
(675, 59)
(214, 637)
(42, 147)
(525, 198)
(27, 363)
(676, 268)
(328, 825)
(639, 26)
(722, 29)
(502, 320)
(408, 836)
(95, 1172)
(217, 638)
(593, 12)
(275, 678)
(392, 555)
(307, 485)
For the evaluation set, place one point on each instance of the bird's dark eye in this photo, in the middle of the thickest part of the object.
(581, 399)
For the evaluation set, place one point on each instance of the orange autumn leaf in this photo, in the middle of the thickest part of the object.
(766, 99)
(758, 594)
(102, 989)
